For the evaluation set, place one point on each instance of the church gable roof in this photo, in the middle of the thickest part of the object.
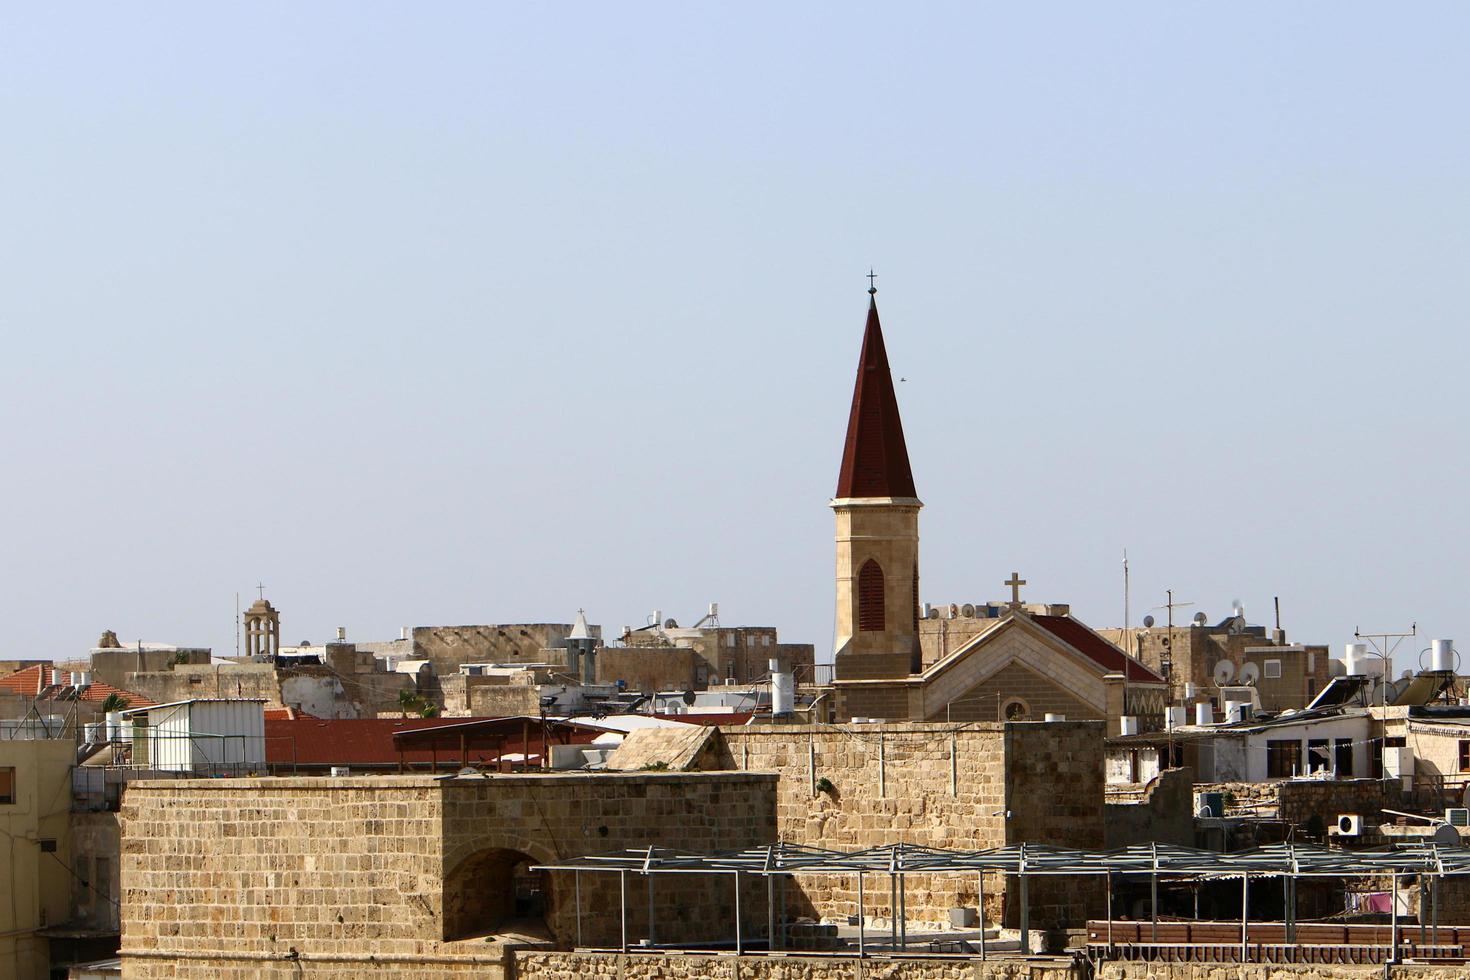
(1095, 648)
(875, 460)
(1102, 656)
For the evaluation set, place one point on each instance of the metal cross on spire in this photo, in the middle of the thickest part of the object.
(261, 589)
(872, 289)
(1015, 582)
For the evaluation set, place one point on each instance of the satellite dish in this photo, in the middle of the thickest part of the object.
(1396, 688)
(1465, 797)
(670, 624)
(967, 610)
(1148, 621)
(688, 697)
(1249, 674)
(1407, 675)
(1446, 836)
(1224, 671)
(933, 612)
(1200, 619)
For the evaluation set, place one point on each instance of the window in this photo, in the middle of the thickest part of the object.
(1342, 758)
(1318, 755)
(1283, 758)
(7, 785)
(870, 597)
(1465, 755)
(729, 639)
(1273, 670)
(1016, 710)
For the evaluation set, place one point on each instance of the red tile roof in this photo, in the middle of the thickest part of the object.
(25, 682)
(1111, 658)
(875, 460)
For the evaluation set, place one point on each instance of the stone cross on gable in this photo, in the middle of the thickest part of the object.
(1015, 582)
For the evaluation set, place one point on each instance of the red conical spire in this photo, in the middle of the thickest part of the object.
(875, 461)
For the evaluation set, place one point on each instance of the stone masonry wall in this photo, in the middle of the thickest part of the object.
(948, 786)
(1164, 814)
(247, 877)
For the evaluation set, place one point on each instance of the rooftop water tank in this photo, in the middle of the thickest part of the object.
(1442, 655)
(1204, 713)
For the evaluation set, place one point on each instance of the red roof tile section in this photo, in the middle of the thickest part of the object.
(875, 461)
(45, 678)
(1106, 655)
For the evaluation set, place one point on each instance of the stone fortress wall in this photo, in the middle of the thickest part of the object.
(248, 875)
(971, 786)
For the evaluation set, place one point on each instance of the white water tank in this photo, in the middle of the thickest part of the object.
(783, 690)
(1442, 655)
(1128, 725)
(86, 680)
(1236, 711)
(114, 726)
(1353, 656)
(1204, 713)
(1176, 716)
(1053, 716)
(1189, 692)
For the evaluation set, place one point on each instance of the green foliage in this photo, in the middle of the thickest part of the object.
(114, 702)
(429, 711)
(824, 785)
(659, 766)
(182, 657)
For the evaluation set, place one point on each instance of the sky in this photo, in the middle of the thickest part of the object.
(474, 313)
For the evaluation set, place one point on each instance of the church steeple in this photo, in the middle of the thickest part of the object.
(877, 511)
(875, 461)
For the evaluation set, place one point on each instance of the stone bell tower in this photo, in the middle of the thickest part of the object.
(262, 629)
(877, 513)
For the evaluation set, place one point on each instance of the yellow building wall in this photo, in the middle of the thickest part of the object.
(35, 887)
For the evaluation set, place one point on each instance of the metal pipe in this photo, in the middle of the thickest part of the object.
(1109, 876)
(739, 936)
(862, 930)
(892, 910)
(623, 905)
(577, 888)
(1393, 922)
(1025, 918)
(1245, 904)
(980, 909)
(651, 938)
(770, 912)
(1153, 906)
(903, 914)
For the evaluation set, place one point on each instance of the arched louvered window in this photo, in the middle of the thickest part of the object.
(870, 597)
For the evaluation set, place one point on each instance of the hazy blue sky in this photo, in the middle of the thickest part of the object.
(428, 314)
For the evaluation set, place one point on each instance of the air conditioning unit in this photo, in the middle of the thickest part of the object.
(1348, 825)
(1457, 816)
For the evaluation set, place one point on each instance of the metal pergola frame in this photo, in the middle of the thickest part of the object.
(1286, 861)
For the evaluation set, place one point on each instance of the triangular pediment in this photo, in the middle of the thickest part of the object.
(1015, 640)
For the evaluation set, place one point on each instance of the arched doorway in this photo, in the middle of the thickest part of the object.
(495, 890)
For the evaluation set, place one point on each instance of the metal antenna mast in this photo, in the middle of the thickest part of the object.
(1384, 644)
